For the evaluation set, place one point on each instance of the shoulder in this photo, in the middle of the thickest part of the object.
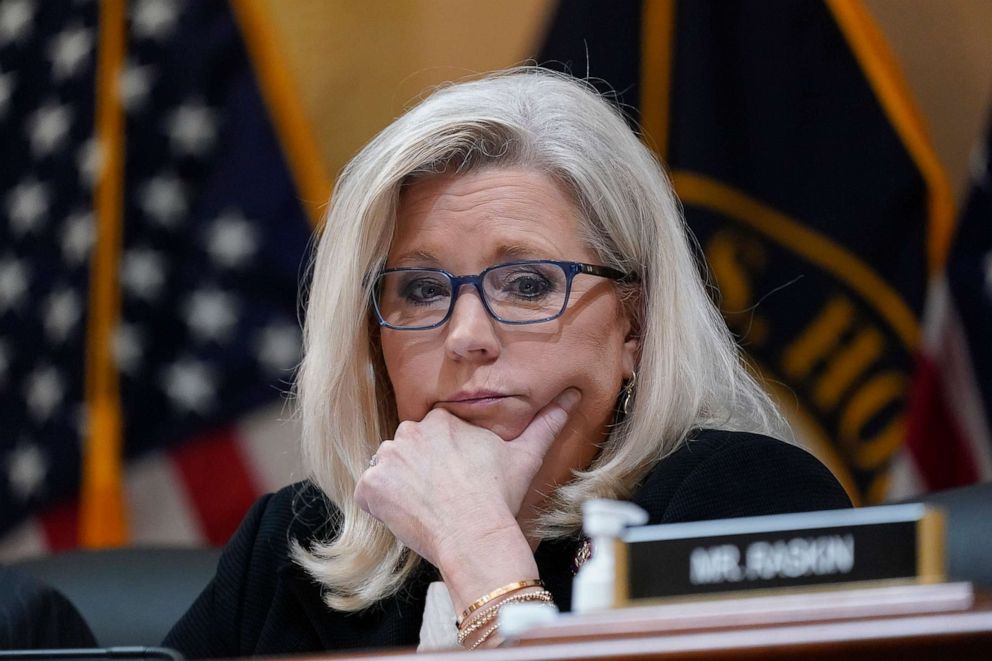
(249, 589)
(723, 474)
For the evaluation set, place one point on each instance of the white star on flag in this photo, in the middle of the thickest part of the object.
(154, 19)
(231, 239)
(163, 199)
(62, 311)
(26, 469)
(143, 273)
(211, 314)
(135, 85)
(128, 350)
(48, 127)
(192, 128)
(6, 89)
(27, 205)
(190, 386)
(44, 391)
(68, 50)
(89, 160)
(278, 347)
(15, 20)
(13, 283)
(77, 237)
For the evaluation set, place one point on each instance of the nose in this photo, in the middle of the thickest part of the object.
(471, 332)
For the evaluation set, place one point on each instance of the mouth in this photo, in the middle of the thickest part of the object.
(478, 398)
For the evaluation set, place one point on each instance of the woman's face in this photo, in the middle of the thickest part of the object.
(494, 375)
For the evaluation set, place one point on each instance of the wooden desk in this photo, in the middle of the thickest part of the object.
(943, 622)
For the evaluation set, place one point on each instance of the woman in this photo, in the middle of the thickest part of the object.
(505, 319)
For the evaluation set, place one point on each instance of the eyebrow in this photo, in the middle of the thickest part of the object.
(505, 252)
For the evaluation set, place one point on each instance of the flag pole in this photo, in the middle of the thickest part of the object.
(102, 512)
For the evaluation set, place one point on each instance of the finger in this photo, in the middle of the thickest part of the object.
(549, 421)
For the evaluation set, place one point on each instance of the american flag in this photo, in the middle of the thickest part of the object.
(214, 237)
(950, 440)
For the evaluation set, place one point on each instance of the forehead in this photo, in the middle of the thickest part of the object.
(479, 218)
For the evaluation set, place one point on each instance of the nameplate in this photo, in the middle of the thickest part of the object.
(887, 543)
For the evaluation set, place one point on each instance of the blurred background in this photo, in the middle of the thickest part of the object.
(164, 164)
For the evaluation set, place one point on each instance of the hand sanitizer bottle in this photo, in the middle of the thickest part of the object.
(602, 521)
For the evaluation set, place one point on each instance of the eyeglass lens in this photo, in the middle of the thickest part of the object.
(515, 292)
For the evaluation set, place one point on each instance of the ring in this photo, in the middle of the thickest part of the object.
(374, 460)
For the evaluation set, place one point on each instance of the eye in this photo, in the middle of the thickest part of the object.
(425, 290)
(524, 283)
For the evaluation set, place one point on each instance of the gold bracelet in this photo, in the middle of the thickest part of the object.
(498, 592)
(488, 615)
(486, 636)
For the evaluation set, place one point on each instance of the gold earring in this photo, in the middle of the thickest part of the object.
(627, 395)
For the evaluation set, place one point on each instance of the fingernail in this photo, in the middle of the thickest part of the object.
(568, 399)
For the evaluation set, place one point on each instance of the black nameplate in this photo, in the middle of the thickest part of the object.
(790, 550)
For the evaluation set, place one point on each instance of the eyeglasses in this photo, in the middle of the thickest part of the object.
(524, 292)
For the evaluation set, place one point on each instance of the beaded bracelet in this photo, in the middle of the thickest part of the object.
(498, 592)
(488, 615)
(486, 636)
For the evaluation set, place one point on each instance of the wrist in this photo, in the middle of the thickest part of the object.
(475, 564)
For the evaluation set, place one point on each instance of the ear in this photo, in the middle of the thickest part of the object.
(632, 313)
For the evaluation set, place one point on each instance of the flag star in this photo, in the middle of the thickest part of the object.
(43, 391)
(68, 50)
(143, 273)
(15, 20)
(154, 19)
(62, 311)
(136, 82)
(231, 239)
(26, 469)
(190, 385)
(48, 127)
(6, 90)
(13, 283)
(128, 348)
(163, 198)
(27, 205)
(89, 161)
(211, 314)
(192, 128)
(77, 237)
(277, 347)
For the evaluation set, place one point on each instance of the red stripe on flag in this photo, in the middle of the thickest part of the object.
(60, 524)
(218, 481)
(934, 438)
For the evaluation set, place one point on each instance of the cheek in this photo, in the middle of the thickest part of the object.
(407, 369)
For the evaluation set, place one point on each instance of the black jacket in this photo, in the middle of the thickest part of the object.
(261, 603)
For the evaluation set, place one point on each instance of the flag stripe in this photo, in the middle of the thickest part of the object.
(61, 525)
(220, 481)
(161, 511)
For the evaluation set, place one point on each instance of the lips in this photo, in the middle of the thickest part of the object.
(469, 397)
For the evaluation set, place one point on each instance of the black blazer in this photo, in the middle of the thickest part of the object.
(260, 602)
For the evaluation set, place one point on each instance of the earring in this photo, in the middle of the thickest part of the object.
(627, 395)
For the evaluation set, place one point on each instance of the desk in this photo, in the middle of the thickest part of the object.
(944, 622)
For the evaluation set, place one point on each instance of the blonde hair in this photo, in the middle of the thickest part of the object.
(690, 374)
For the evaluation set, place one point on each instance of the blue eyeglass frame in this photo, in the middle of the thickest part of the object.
(571, 270)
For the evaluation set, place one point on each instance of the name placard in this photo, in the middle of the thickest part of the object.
(895, 542)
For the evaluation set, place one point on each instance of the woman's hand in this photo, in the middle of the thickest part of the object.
(444, 486)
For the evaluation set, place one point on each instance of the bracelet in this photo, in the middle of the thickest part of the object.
(486, 636)
(488, 615)
(498, 592)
